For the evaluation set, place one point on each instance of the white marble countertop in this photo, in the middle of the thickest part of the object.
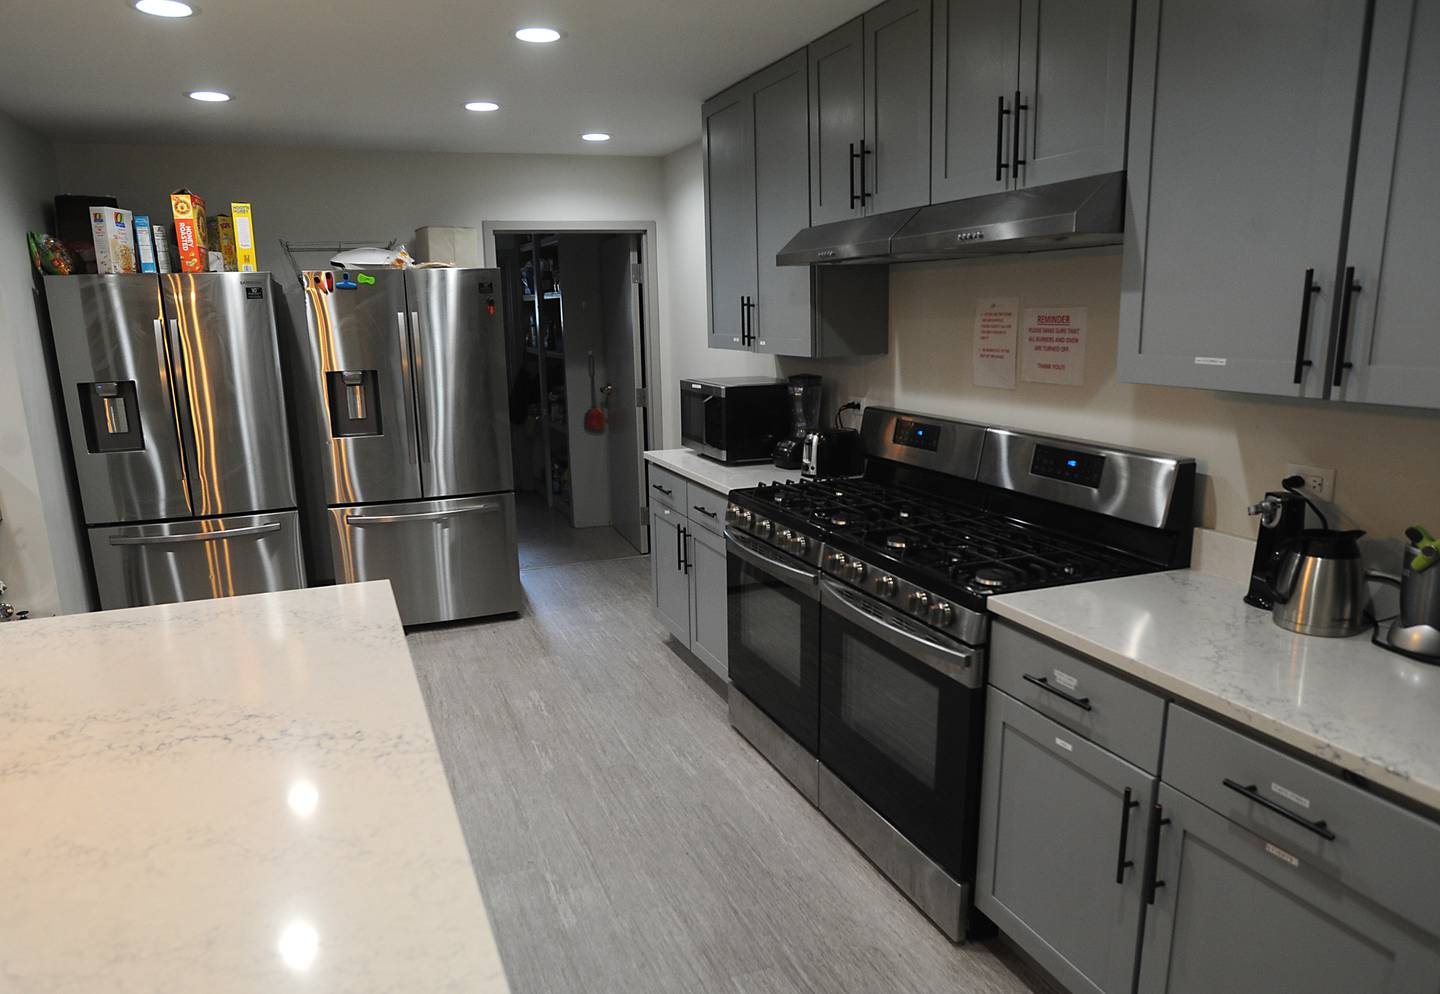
(1345, 701)
(717, 476)
(230, 796)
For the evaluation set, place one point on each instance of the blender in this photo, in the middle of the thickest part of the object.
(804, 390)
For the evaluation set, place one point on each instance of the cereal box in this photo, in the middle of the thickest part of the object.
(144, 244)
(244, 237)
(189, 213)
(114, 240)
(222, 240)
(162, 248)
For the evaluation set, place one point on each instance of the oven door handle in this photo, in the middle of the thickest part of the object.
(802, 580)
(960, 665)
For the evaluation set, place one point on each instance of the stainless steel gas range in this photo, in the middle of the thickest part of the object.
(858, 621)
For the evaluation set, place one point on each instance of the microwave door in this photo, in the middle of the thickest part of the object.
(221, 328)
(116, 380)
(457, 340)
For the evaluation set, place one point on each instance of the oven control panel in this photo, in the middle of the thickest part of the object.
(954, 620)
(1068, 465)
(916, 434)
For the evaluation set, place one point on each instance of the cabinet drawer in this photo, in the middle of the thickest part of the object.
(1066, 687)
(1378, 848)
(706, 508)
(667, 488)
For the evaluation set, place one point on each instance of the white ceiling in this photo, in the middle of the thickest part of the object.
(392, 74)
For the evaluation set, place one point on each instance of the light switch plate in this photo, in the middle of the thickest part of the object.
(1319, 482)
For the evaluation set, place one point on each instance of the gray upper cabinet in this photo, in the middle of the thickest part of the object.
(896, 161)
(837, 122)
(1062, 838)
(782, 205)
(729, 161)
(976, 53)
(1236, 912)
(1074, 88)
(1389, 338)
(1241, 123)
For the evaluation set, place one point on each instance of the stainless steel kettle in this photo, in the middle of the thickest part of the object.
(1320, 588)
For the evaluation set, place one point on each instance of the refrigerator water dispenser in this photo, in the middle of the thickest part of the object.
(111, 416)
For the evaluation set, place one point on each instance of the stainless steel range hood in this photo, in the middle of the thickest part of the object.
(1072, 214)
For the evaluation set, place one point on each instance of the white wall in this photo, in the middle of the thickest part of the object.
(41, 557)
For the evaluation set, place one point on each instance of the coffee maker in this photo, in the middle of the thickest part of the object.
(1282, 519)
(1415, 631)
(804, 390)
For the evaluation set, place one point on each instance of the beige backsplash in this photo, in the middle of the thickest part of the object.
(1387, 460)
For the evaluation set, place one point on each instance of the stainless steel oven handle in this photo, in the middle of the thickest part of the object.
(396, 519)
(960, 664)
(218, 535)
(802, 580)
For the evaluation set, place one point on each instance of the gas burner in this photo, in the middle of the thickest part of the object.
(897, 542)
(840, 520)
(996, 576)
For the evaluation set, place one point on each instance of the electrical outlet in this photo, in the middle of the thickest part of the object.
(1319, 482)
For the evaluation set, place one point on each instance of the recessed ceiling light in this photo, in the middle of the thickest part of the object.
(164, 8)
(209, 96)
(538, 36)
(482, 106)
(595, 136)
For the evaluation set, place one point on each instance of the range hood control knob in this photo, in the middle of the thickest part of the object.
(941, 614)
(885, 586)
(919, 602)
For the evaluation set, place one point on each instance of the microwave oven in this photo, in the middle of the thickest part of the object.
(734, 419)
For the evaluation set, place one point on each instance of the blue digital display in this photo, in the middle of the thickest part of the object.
(1072, 463)
(920, 433)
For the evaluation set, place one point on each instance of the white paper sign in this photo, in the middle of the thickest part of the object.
(1053, 344)
(995, 320)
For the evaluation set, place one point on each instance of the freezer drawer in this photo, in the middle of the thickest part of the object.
(164, 563)
(445, 559)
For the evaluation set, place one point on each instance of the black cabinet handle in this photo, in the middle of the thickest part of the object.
(1000, 163)
(1253, 793)
(685, 549)
(1310, 289)
(1152, 852)
(865, 194)
(679, 549)
(667, 493)
(1342, 345)
(854, 197)
(1121, 863)
(1015, 161)
(708, 514)
(750, 320)
(1044, 684)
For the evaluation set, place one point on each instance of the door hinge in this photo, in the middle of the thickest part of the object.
(637, 272)
(642, 397)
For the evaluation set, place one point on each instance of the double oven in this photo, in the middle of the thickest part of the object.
(875, 718)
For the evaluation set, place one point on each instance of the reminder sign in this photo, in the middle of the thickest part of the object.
(1053, 345)
(994, 342)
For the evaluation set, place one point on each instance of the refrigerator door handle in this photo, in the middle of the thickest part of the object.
(395, 519)
(407, 379)
(422, 422)
(218, 535)
(168, 352)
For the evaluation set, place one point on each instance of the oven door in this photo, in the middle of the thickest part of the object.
(702, 420)
(902, 723)
(774, 628)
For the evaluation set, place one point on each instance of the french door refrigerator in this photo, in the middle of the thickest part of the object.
(404, 372)
(176, 414)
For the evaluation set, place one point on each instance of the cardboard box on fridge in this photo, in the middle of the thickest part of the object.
(190, 236)
(144, 244)
(113, 231)
(244, 237)
(221, 230)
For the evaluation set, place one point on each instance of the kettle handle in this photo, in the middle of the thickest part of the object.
(1380, 577)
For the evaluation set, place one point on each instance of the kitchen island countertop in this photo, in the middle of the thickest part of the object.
(1344, 701)
(230, 795)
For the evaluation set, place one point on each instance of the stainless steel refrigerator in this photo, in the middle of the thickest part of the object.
(176, 413)
(402, 388)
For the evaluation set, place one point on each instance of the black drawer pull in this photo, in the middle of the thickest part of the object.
(708, 514)
(667, 493)
(1121, 863)
(1253, 793)
(1044, 684)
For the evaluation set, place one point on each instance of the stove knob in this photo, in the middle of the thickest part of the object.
(837, 561)
(857, 572)
(941, 614)
(746, 517)
(800, 545)
(885, 586)
(763, 527)
(919, 602)
(785, 538)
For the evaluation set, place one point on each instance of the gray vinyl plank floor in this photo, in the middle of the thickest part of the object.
(547, 538)
(627, 840)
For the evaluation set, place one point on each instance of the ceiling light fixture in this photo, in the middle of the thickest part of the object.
(164, 8)
(482, 106)
(538, 36)
(595, 136)
(209, 96)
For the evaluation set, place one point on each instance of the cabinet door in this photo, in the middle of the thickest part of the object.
(1396, 213)
(708, 602)
(782, 205)
(1237, 913)
(1240, 140)
(1062, 833)
(976, 48)
(896, 168)
(1074, 88)
(837, 122)
(729, 152)
(669, 585)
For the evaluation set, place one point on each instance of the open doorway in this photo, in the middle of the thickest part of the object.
(576, 326)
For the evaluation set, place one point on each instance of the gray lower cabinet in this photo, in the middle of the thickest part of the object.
(1390, 343)
(1062, 835)
(669, 583)
(1234, 912)
(708, 602)
(688, 570)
